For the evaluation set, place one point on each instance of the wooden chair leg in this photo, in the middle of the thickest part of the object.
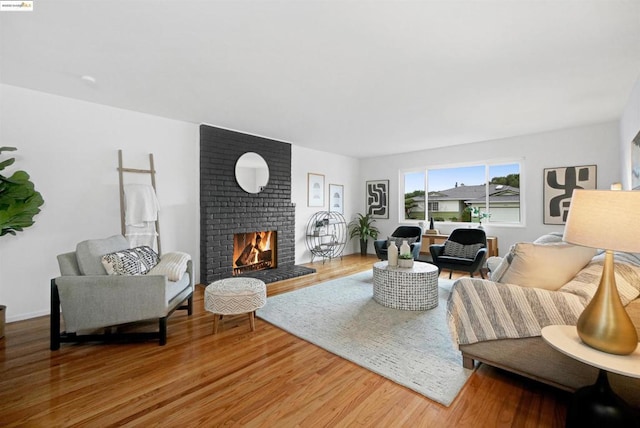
(450, 272)
(252, 321)
(216, 319)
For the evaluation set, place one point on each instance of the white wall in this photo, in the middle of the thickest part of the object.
(336, 169)
(629, 128)
(69, 148)
(597, 144)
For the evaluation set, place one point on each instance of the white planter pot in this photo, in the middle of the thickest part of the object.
(405, 263)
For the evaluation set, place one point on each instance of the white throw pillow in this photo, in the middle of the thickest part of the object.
(173, 265)
(547, 266)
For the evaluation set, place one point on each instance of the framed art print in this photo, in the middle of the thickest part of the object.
(635, 163)
(377, 201)
(336, 198)
(559, 184)
(315, 190)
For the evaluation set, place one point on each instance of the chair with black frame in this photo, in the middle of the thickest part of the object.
(464, 250)
(413, 236)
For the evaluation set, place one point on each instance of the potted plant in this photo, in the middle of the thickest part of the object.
(405, 260)
(19, 202)
(477, 213)
(362, 227)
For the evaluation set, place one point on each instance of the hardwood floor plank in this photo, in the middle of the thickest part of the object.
(237, 377)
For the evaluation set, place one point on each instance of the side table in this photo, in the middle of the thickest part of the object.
(595, 405)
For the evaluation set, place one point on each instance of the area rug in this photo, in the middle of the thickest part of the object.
(411, 348)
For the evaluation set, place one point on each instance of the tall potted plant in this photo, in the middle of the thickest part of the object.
(362, 228)
(19, 202)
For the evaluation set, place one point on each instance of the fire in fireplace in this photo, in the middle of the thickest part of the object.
(254, 251)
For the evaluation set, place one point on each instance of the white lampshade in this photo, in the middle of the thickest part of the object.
(605, 219)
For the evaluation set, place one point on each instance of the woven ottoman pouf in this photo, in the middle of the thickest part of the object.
(232, 296)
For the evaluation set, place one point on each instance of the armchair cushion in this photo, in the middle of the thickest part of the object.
(455, 249)
(133, 261)
(89, 253)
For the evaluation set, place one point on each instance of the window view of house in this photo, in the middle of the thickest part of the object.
(478, 193)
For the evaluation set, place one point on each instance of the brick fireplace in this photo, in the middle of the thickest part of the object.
(226, 210)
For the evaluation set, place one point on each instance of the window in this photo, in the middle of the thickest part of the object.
(474, 193)
(414, 198)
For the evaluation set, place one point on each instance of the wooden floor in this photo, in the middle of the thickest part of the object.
(267, 378)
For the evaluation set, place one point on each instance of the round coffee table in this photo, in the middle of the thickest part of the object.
(409, 289)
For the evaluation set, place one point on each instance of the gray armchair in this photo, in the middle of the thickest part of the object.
(91, 300)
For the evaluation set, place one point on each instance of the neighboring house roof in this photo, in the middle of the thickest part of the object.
(477, 194)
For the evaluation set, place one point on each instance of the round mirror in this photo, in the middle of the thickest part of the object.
(252, 172)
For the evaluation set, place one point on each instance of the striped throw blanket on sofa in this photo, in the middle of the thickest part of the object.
(480, 310)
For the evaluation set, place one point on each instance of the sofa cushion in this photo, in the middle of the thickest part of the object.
(547, 266)
(133, 261)
(497, 270)
(89, 253)
(455, 249)
(172, 265)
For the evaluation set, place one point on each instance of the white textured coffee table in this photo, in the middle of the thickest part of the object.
(409, 289)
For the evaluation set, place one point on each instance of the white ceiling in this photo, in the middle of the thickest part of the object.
(360, 78)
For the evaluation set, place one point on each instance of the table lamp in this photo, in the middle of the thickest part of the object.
(608, 220)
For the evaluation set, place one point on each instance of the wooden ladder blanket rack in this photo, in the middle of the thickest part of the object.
(152, 172)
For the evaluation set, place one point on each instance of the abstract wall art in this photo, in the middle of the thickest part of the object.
(559, 184)
(377, 202)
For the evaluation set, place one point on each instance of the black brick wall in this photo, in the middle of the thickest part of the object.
(226, 209)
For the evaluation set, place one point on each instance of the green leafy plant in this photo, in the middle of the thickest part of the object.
(477, 213)
(406, 256)
(19, 201)
(362, 227)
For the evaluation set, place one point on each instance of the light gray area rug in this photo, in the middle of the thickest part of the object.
(411, 348)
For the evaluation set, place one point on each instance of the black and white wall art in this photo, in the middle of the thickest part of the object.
(377, 202)
(559, 184)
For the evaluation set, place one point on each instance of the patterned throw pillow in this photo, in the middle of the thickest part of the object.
(454, 249)
(133, 261)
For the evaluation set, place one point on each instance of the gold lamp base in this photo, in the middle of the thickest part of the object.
(605, 324)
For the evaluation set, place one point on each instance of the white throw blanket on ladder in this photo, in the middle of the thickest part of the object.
(141, 213)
